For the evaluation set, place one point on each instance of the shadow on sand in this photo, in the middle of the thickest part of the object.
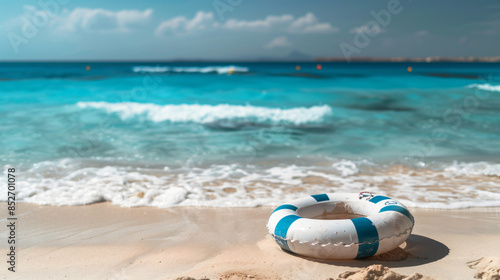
(419, 250)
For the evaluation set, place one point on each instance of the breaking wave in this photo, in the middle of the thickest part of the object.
(203, 70)
(487, 87)
(205, 114)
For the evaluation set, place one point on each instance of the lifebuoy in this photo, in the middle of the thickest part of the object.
(385, 224)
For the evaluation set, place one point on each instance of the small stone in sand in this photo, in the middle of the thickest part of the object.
(488, 268)
(140, 194)
(379, 272)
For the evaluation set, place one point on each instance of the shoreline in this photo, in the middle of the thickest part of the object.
(75, 182)
(102, 240)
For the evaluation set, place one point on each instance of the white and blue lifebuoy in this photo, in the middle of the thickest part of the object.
(386, 224)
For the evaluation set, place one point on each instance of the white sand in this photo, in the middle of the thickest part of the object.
(103, 241)
(487, 268)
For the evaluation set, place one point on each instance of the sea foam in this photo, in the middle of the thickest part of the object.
(204, 114)
(487, 87)
(202, 70)
(474, 169)
(77, 182)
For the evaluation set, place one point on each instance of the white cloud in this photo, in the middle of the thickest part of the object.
(288, 23)
(282, 23)
(82, 19)
(260, 24)
(278, 42)
(201, 21)
(99, 20)
(368, 29)
(310, 24)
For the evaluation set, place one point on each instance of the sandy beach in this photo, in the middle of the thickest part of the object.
(154, 140)
(104, 241)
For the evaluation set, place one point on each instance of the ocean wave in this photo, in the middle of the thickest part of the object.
(203, 70)
(206, 114)
(75, 182)
(487, 87)
(474, 169)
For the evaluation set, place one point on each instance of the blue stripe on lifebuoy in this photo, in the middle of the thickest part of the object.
(286, 206)
(399, 209)
(282, 229)
(378, 198)
(320, 197)
(367, 237)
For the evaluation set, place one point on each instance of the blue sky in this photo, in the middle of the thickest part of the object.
(246, 29)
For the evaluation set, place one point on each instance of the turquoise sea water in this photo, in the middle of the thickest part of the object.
(202, 133)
